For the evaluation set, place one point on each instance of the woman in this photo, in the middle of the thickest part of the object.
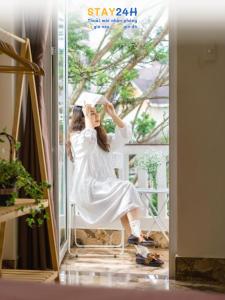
(100, 196)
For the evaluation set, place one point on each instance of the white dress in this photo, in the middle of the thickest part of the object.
(99, 195)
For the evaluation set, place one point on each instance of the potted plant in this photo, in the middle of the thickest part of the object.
(14, 178)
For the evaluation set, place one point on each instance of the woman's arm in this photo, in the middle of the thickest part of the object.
(88, 110)
(123, 131)
(119, 122)
(110, 110)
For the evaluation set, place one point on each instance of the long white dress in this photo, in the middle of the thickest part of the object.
(99, 195)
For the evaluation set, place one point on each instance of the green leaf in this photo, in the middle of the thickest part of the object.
(109, 125)
(129, 75)
(144, 125)
(40, 221)
(17, 146)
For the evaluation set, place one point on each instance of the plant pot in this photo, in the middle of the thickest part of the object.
(6, 198)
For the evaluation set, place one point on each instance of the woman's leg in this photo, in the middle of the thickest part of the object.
(134, 216)
(126, 225)
(129, 223)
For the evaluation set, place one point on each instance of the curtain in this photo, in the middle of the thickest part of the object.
(34, 250)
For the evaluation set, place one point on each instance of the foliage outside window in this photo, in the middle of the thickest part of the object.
(111, 64)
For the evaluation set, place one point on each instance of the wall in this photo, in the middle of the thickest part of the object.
(201, 131)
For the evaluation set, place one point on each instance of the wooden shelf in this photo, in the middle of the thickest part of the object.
(29, 275)
(25, 64)
(14, 211)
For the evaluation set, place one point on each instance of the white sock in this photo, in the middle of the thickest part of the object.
(142, 250)
(135, 226)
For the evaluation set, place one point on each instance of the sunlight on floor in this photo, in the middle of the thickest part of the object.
(122, 271)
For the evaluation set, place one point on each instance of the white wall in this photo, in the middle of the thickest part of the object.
(201, 133)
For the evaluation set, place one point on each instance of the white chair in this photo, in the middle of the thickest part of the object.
(76, 222)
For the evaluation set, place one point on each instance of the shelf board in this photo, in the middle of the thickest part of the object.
(28, 275)
(12, 212)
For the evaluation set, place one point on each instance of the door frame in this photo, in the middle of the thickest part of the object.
(173, 188)
(55, 132)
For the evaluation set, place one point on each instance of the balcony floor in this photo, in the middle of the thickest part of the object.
(123, 264)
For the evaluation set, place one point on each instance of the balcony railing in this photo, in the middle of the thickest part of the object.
(155, 194)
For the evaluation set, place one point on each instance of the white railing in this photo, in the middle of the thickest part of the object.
(157, 218)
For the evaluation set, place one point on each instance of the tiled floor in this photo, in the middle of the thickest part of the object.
(122, 264)
(122, 271)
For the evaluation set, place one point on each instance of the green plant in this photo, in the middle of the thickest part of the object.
(143, 125)
(150, 163)
(109, 125)
(154, 201)
(14, 175)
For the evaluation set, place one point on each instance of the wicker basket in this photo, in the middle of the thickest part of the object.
(6, 193)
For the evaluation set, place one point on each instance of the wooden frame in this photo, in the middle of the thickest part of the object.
(27, 68)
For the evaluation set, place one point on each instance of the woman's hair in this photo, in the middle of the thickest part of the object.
(77, 123)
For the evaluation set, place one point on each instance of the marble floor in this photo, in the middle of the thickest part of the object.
(121, 272)
(93, 259)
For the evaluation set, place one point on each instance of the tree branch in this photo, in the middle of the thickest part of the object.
(155, 131)
(136, 101)
(133, 62)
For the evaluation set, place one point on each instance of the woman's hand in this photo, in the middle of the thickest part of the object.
(88, 111)
(109, 109)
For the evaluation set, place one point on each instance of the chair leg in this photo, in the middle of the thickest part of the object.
(69, 229)
(123, 240)
(73, 212)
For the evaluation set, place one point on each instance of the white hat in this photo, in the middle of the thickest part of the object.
(90, 98)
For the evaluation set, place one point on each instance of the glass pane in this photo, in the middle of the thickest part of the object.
(62, 123)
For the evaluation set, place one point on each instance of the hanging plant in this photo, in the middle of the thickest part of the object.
(14, 178)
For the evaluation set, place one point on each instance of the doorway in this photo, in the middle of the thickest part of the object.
(145, 160)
